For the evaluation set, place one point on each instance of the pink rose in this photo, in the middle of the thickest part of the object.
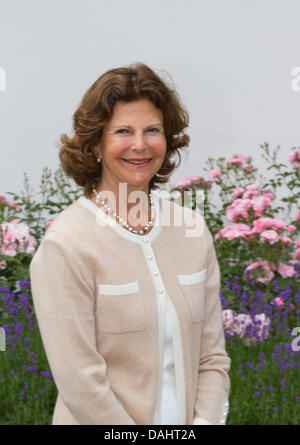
(278, 302)
(237, 208)
(260, 203)
(237, 160)
(237, 192)
(285, 270)
(267, 223)
(231, 232)
(195, 178)
(268, 194)
(249, 194)
(285, 239)
(183, 182)
(269, 235)
(264, 272)
(294, 155)
(291, 228)
(253, 187)
(215, 173)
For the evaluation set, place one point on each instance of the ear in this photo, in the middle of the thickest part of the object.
(96, 151)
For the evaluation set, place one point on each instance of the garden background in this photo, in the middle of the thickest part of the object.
(259, 257)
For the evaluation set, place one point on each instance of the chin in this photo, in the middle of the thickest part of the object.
(139, 183)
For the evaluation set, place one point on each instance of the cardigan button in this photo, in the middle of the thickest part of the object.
(145, 240)
(156, 273)
(150, 257)
(161, 291)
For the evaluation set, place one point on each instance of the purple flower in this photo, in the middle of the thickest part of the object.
(236, 288)
(250, 366)
(6, 328)
(24, 284)
(4, 289)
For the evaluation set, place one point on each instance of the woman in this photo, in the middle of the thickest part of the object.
(126, 299)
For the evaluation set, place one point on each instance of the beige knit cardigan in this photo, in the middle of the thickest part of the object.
(101, 293)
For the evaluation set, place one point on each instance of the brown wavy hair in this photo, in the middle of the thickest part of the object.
(125, 84)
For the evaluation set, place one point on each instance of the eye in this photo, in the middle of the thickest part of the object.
(156, 130)
(122, 129)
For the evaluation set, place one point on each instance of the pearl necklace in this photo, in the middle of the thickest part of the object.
(121, 220)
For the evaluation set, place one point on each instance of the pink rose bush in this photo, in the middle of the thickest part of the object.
(246, 211)
(9, 203)
(294, 157)
(15, 237)
(265, 271)
(251, 241)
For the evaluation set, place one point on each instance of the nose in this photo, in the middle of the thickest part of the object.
(138, 141)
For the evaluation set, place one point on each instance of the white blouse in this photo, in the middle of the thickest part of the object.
(169, 410)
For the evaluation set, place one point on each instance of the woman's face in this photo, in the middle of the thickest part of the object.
(135, 131)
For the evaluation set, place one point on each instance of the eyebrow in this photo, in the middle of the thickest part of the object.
(129, 126)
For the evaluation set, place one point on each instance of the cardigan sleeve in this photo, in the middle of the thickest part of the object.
(213, 386)
(63, 298)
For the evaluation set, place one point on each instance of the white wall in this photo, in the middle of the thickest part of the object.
(231, 61)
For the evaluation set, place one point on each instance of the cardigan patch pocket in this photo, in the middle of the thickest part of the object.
(193, 287)
(120, 308)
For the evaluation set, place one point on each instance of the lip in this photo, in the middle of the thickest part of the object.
(137, 159)
(145, 164)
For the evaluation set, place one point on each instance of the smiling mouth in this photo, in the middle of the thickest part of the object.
(137, 163)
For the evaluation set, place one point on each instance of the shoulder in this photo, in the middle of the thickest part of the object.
(182, 217)
(70, 232)
(71, 224)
